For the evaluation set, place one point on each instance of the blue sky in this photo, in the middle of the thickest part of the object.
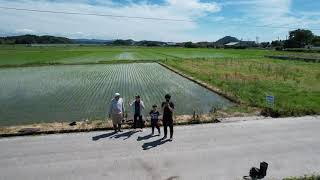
(207, 20)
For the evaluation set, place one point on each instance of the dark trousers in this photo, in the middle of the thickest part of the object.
(166, 123)
(117, 127)
(155, 124)
(137, 121)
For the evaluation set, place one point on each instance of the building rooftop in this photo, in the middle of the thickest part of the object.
(231, 43)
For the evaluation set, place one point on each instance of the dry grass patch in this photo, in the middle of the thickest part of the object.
(84, 126)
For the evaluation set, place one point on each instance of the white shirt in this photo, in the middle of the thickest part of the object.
(132, 105)
(116, 106)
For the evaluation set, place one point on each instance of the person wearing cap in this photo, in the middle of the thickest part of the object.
(168, 109)
(137, 105)
(154, 114)
(116, 112)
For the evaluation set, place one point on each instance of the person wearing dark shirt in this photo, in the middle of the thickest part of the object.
(154, 114)
(137, 106)
(168, 109)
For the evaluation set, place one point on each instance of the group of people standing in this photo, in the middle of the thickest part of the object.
(117, 109)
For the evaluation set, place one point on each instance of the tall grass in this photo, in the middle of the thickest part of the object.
(295, 85)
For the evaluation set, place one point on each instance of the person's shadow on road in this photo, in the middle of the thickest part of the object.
(126, 135)
(96, 138)
(153, 144)
(140, 138)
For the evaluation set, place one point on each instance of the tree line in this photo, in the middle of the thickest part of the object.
(299, 38)
(33, 39)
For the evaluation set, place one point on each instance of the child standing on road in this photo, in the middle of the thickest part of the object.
(154, 114)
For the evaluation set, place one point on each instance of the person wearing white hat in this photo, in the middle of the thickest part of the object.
(116, 112)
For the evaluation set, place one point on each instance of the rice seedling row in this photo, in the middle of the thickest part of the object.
(78, 92)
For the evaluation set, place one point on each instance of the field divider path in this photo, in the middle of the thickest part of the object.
(203, 84)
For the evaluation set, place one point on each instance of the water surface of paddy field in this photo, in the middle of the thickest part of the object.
(77, 92)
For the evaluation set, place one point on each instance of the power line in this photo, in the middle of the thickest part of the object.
(145, 18)
(93, 14)
(267, 26)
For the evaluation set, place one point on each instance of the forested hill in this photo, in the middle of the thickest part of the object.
(33, 39)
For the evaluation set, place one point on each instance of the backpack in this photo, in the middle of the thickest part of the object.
(256, 173)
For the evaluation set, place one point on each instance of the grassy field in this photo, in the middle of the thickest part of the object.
(294, 84)
(19, 55)
(78, 92)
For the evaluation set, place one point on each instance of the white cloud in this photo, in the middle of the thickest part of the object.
(217, 18)
(238, 2)
(80, 26)
(245, 15)
(274, 12)
(25, 31)
(271, 13)
(194, 5)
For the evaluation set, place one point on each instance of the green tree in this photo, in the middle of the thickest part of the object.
(120, 42)
(277, 44)
(265, 44)
(316, 41)
(300, 38)
(190, 45)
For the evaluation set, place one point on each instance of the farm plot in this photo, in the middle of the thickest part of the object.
(77, 92)
(22, 55)
(193, 53)
(92, 57)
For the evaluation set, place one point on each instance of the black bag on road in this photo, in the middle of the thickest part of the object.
(256, 173)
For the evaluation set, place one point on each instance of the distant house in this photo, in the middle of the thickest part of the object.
(235, 45)
(312, 47)
(241, 44)
(171, 44)
(232, 44)
(249, 43)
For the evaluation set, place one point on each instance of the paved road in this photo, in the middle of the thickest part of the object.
(225, 151)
